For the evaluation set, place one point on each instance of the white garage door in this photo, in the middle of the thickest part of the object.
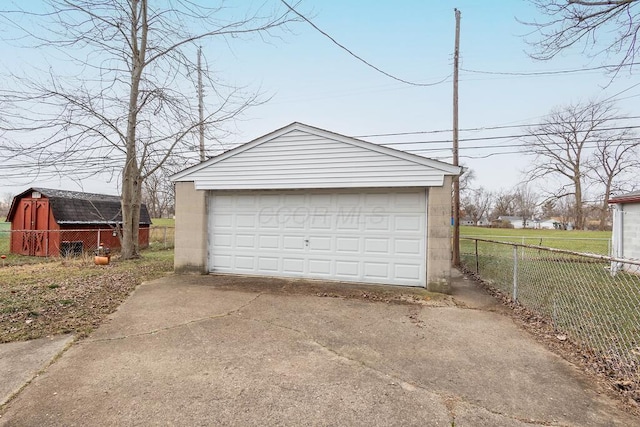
(360, 236)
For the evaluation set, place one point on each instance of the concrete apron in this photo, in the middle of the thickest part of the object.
(21, 361)
(180, 352)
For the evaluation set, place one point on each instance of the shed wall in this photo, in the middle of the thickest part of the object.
(35, 231)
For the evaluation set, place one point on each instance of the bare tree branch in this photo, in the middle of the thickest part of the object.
(562, 144)
(599, 28)
(119, 94)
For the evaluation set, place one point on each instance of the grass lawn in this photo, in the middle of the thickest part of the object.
(70, 295)
(579, 241)
(163, 222)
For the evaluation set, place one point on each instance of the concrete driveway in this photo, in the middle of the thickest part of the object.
(213, 350)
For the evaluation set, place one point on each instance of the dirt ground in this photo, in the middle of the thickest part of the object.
(69, 296)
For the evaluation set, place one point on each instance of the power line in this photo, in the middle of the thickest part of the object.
(359, 58)
(485, 138)
(535, 146)
(548, 73)
(480, 128)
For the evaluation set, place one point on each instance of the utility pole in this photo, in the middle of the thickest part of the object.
(200, 106)
(456, 179)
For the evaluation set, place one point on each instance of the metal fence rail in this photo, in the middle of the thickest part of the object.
(594, 306)
(594, 245)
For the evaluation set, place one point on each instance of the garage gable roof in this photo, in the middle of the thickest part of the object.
(303, 156)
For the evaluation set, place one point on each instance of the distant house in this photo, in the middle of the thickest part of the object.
(48, 222)
(547, 224)
(482, 222)
(516, 221)
(626, 230)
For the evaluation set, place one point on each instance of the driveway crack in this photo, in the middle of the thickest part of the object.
(179, 325)
(449, 401)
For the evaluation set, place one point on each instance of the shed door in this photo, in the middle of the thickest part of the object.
(352, 235)
(34, 236)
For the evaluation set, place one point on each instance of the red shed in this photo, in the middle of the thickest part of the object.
(48, 222)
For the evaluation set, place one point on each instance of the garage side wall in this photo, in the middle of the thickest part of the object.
(630, 230)
(439, 238)
(191, 229)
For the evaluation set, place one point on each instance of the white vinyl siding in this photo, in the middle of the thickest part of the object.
(374, 236)
(631, 230)
(299, 159)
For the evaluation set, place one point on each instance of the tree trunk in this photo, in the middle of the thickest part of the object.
(579, 225)
(131, 179)
(604, 209)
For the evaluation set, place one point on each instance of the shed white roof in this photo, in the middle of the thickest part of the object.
(302, 156)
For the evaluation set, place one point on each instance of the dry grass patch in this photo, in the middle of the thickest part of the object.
(69, 296)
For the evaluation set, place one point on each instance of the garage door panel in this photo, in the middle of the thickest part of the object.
(320, 222)
(244, 263)
(376, 245)
(408, 247)
(245, 241)
(292, 221)
(269, 242)
(269, 264)
(242, 201)
(293, 266)
(376, 222)
(407, 271)
(376, 270)
(348, 269)
(245, 220)
(322, 244)
(406, 202)
(268, 220)
(347, 222)
(319, 267)
(224, 220)
(223, 262)
(223, 240)
(293, 243)
(411, 223)
(354, 235)
(348, 244)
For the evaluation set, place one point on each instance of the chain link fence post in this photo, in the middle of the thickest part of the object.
(515, 274)
(477, 259)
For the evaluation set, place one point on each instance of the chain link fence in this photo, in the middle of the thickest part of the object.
(17, 245)
(592, 245)
(581, 296)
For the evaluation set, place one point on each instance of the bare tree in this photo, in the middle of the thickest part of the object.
(5, 204)
(563, 145)
(581, 23)
(526, 204)
(121, 97)
(548, 208)
(503, 204)
(477, 204)
(614, 159)
(466, 180)
(567, 210)
(158, 193)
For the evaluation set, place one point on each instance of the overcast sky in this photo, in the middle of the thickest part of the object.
(313, 81)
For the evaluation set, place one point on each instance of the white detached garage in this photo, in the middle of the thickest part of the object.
(308, 203)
